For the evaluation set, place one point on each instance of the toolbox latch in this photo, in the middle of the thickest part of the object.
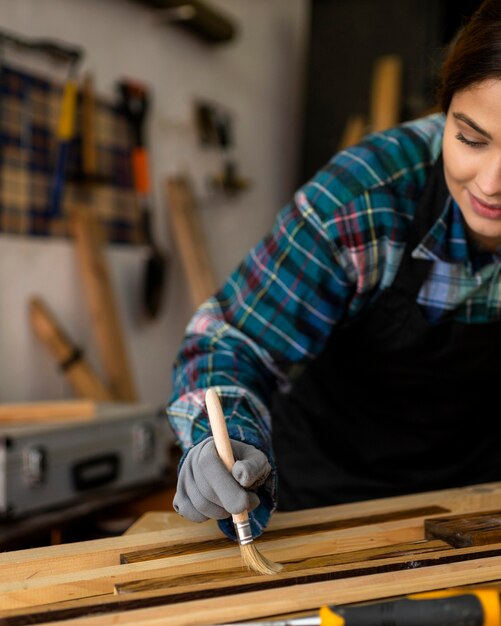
(34, 465)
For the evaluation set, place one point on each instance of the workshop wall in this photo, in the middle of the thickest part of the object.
(258, 78)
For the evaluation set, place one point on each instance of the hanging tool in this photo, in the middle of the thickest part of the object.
(71, 359)
(57, 51)
(479, 607)
(135, 103)
(64, 135)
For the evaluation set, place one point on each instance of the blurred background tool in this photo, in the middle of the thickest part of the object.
(65, 133)
(135, 102)
(55, 50)
(200, 19)
(440, 608)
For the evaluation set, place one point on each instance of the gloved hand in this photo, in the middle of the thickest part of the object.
(205, 488)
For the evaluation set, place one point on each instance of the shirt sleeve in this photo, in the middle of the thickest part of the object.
(273, 314)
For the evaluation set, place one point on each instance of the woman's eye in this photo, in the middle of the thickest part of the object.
(468, 142)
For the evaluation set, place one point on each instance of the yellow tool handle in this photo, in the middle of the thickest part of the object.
(441, 608)
(66, 126)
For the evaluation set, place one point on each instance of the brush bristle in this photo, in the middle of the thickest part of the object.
(255, 561)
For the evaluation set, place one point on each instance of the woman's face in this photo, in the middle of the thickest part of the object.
(472, 159)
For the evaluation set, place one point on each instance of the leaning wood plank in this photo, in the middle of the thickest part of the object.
(353, 131)
(268, 603)
(70, 410)
(467, 529)
(190, 240)
(89, 241)
(24, 564)
(386, 92)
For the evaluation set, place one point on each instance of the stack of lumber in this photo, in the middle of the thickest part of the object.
(190, 574)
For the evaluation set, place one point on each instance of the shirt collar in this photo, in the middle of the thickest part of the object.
(446, 240)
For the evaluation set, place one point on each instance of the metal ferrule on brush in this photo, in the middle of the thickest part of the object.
(244, 534)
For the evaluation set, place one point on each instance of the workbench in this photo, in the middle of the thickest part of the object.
(165, 570)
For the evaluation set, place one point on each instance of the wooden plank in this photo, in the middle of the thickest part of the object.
(42, 588)
(282, 533)
(354, 130)
(308, 597)
(29, 579)
(22, 564)
(82, 377)
(386, 92)
(157, 520)
(411, 549)
(190, 240)
(89, 240)
(63, 410)
(466, 529)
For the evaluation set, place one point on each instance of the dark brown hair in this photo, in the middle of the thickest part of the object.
(475, 55)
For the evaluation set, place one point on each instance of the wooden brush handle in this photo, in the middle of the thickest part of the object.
(221, 438)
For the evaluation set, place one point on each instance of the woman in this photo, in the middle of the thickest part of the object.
(374, 307)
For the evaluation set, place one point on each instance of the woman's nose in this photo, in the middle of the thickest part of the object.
(488, 179)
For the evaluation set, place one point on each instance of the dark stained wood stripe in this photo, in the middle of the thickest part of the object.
(461, 531)
(269, 535)
(327, 560)
(262, 582)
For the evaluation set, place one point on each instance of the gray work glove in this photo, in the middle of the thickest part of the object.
(205, 488)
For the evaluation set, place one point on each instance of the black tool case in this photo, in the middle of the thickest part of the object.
(51, 465)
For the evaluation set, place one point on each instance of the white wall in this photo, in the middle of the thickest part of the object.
(258, 77)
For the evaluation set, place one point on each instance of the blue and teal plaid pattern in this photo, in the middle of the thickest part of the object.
(330, 254)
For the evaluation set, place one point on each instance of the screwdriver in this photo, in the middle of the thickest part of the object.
(479, 607)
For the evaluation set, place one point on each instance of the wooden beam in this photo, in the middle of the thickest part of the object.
(89, 243)
(190, 240)
(65, 411)
(386, 92)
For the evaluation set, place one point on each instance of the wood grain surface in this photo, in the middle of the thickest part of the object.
(189, 574)
(476, 529)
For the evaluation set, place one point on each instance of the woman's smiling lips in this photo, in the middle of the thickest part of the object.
(489, 211)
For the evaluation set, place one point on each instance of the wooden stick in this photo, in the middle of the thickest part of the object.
(71, 410)
(89, 240)
(386, 92)
(190, 240)
(81, 376)
(353, 131)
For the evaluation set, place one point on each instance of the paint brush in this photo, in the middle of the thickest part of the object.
(250, 554)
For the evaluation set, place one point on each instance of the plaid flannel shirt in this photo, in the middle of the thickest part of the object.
(329, 255)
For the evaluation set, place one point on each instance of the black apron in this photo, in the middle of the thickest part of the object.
(393, 405)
